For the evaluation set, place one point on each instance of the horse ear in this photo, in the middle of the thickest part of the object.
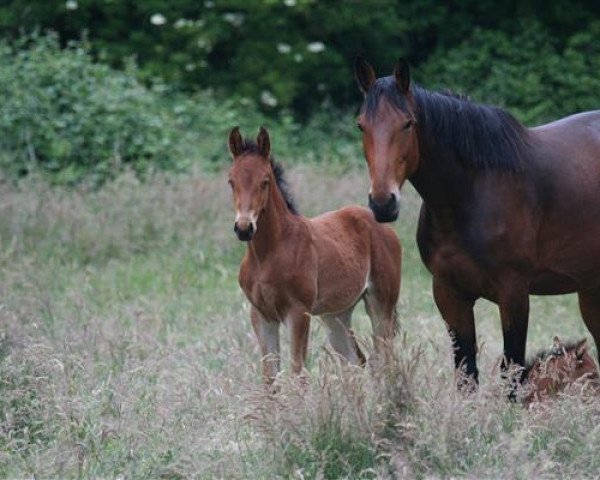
(364, 74)
(581, 347)
(264, 142)
(402, 75)
(236, 142)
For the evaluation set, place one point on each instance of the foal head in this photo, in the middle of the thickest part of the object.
(552, 370)
(249, 177)
(387, 121)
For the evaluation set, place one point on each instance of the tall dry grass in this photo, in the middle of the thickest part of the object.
(126, 351)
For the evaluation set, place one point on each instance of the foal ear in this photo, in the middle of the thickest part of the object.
(364, 74)
(264, 142)
(402, 75)
(236, 142)
(581, 347)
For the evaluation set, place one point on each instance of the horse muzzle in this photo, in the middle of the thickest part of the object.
(387, 211)
(244, 232)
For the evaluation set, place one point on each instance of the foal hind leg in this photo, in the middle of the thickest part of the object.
(342, 338)
(299, 324)
(382, 312)
(589, 305)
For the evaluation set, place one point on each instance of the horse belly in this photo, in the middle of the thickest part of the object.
(342, 240)
(340, 287)
(569, 256)
(342, 278)
(551, 283)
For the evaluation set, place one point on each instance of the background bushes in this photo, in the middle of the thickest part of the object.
(156, 85)
(69, 116)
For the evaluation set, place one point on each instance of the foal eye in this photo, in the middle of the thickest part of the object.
(230, 182)
(359, 126)
(264, 184)
(407, 125)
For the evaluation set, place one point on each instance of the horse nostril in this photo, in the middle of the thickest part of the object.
(386, 211)
(244, 234)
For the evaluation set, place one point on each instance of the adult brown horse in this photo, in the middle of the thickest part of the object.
(295, 267)
(507, 211)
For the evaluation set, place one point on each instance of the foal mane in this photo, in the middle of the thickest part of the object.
(250, 146)
(482, 137)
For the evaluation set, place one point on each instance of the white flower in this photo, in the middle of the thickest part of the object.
(190, 67)
(180, 23)
(268, 99)
(315, 47)
(298, 58)
(209, 4)
(283, 48)
(289, 3)
(204, 44)
(158, 19)
(235, 19)
(71, 5)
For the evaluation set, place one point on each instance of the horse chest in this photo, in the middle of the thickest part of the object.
(447, 259)
(272, 289)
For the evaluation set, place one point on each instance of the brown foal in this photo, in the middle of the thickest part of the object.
(296, 267)
(551, 371)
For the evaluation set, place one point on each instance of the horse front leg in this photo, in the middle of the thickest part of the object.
(513, 302)
(267, 333)
(456, 309)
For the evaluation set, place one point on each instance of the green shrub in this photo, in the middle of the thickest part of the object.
(528, 73)
(75, 119)
(69, 116)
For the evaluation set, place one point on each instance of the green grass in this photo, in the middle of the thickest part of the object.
(126, 351)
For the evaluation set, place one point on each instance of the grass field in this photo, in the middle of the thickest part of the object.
(126, 352)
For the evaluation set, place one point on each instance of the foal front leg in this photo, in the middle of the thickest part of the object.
(267, 333)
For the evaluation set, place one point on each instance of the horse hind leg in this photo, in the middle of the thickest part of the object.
(383, 322)
(341, 337)
(382, 291)
(589, 305)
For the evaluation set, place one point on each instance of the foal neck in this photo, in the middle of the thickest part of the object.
(273, 224)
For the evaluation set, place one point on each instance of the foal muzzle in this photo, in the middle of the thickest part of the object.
(244, 233)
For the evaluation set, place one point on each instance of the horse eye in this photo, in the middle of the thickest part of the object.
(264, 184)
(408, 124)
(359, 126)
(230, 182)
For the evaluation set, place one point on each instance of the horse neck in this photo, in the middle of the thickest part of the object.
(272, 224)
(440, 179)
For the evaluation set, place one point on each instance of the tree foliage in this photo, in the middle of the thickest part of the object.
(157, 84)
(297, 54)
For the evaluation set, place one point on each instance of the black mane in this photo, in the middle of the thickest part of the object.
(544, 353)
(250, 146)
(481, 137)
